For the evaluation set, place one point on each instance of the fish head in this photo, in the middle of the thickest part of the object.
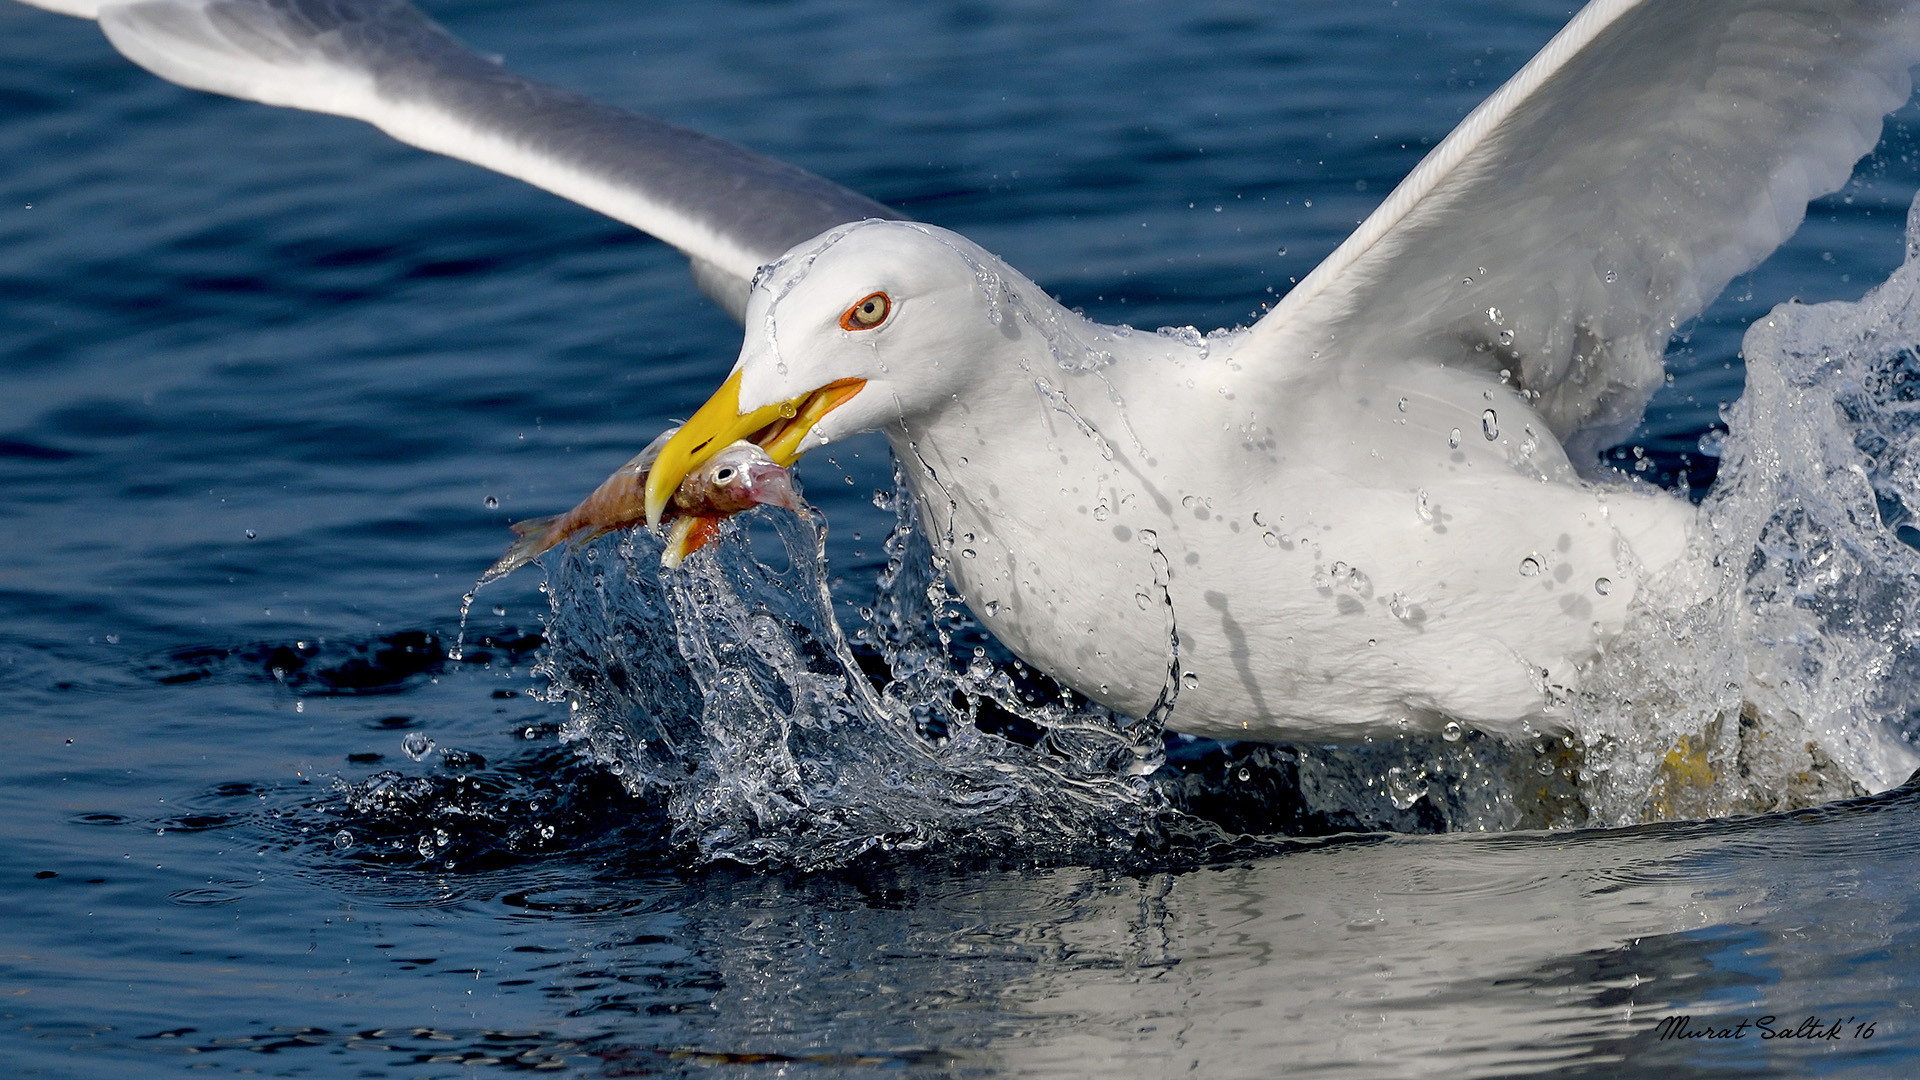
(739, 477)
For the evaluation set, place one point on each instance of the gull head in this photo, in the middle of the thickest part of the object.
(866, 325)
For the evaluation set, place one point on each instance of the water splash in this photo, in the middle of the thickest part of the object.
(1777, 667)
(729, 689)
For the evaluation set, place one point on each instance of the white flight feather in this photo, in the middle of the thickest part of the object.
(1649, 154)
(176, 40)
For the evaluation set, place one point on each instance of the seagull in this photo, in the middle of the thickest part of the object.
(1377, 510)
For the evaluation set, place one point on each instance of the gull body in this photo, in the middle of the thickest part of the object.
(1365, 513)
(1262, 545)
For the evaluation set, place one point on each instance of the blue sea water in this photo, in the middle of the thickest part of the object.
(271, 387)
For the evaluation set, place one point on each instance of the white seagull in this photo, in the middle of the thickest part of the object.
(1365, 514)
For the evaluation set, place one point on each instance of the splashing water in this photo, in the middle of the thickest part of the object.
(1779, 668)
(729, 688)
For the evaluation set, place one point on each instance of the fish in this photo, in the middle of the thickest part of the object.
(736, 479)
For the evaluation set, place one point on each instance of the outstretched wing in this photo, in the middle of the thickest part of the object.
(729, 210)
(1654, 150)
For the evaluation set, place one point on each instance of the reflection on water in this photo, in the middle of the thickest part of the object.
(1542, 954)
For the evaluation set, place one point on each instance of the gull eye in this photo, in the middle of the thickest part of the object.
(868, 313)
(724, 475)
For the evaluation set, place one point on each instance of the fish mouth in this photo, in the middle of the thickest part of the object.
(771, 485)
(777, 428)
(689, 534)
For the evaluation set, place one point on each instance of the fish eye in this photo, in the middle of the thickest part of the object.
(870, 312)
(724, 475)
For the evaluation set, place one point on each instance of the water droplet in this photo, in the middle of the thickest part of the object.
(1612, 277)
(1403, 404)
(1603, 586)
(1506, 337)
(1270, 540)
(1189, 680)
(1143, 600)
(1423, 506)
(1529, 566)
(1453, 439)
(1529, 443)
(787, 410)
(251, 534)
(1258, 520)
(993, 608)
(1490, 425)
(1243, 775)
(1402, 607)
(1493, 314)
(1452, 732)
(342, 840)
(1101, 513)
(492, 502)
(499, 610)
(416, 746)
(1148, 537)
(1406, 787)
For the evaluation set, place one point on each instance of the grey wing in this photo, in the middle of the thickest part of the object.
(1654, 150)
(728, 209)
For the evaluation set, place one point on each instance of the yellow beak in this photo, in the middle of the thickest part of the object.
(777, 428)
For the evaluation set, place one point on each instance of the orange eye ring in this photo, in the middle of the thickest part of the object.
(869, 312)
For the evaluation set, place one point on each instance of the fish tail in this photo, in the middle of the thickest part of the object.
(536, 535)
(533, 525)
